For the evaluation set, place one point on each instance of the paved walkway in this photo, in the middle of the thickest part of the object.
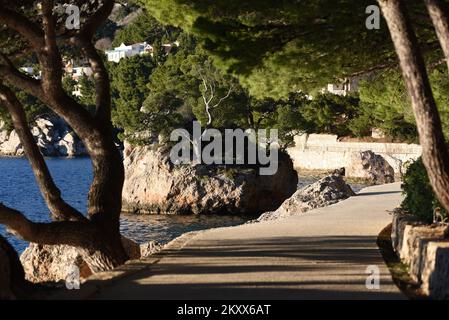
(320, 255)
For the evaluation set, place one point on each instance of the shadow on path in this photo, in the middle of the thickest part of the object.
(270, 268)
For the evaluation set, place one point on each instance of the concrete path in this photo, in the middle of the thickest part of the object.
(323, 254)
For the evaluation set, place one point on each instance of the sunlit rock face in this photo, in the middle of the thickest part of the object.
(154, 185)
(327, 191)
(53, 136)
(45, 263)
(53, 263)
(370, 167)
(424, 249)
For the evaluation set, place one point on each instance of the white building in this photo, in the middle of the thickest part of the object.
(77, 91)
(347, 85)
(76, 68)
(343, 88)
(31, 72)
(124, 51)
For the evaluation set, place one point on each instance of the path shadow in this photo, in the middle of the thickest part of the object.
(270, 268)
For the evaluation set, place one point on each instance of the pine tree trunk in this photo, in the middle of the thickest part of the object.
(440, 18)
(98, 235)
(12, 276)
(435, 151)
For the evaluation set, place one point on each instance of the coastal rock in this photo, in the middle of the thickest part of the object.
(416, 242)
(3, 132)
(53, 136)
(44, 124)
(435, 273)
(425, 251)
(46, 263)
(400, 221)
(149, 248)
(154, 185)
(327, 191)
(11, 146)
(370, 167)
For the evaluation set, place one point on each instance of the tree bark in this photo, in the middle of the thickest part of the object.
(98, 234)
(440, 18)
(12, 276)
(435, 151)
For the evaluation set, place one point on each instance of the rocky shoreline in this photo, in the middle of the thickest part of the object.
(52, 134)
(52, 263)
(43, 263)
(151, 178)
(153, 185)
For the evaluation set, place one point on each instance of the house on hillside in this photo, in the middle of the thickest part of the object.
(125, 51)
(76, 68)
(348, 85)
(345, 87)
(30, 71)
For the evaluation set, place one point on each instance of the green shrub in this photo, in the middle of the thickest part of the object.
(420, 200)
(330, 113)
(362, 124)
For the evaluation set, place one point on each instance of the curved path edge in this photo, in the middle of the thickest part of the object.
(326, 253)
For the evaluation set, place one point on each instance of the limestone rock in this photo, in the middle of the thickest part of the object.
(435, 273)
(45, 263)
(327, 191)
(154, 185)
(400, 221)
(11, 145)
(370, 167)
(44, 123)
(407, 242)
(414, 250)
(149, 248)
(53, 136)
(3, 135)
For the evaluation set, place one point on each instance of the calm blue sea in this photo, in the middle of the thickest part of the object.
(73, 176)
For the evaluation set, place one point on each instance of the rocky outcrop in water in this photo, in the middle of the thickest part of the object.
(327, 191)
(45, 263)
(370, 167)
(154, 185)
(53, 136)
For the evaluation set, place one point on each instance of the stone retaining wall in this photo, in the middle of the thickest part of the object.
(425, 250)
(325, 152)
